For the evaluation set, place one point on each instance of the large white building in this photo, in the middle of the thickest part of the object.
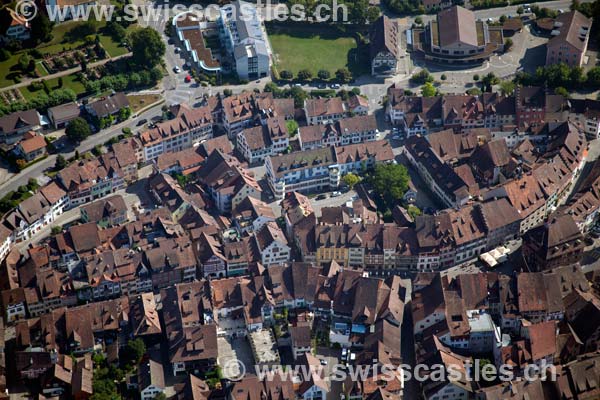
(245, 39)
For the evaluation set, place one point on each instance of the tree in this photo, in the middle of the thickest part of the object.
(593, 77)
(124, 113)
(562, 92)
(372, 14)
(285, 74)
(134, 351)
(24, 62)
(488, 81)
(428, 90)
(419, 20)
(476, 77)
(413, 211)
(507, 88)
(508, 44)
(292, 127)
(443, 77)
(299, 96)
(575, 5)
(520, 10)
(304, 75)
(41, 28)
(343, 74)
(60, 163)
(227, 92)
(390, 181)
(78, 130)
(422, 77)
(502, 19)
(4, 54)
(55, 230)
(351, 179)
(147, 47)
(323, 74)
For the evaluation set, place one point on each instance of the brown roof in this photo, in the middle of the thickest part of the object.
(186, 159)
(380, 150)
(220, 142)
(186, 120)
(196, 40)
(18, 120)
(498, 213)
(467, 225)
(300, 335)
(359, 123)
(85, 236)
(324, 106)
(450, 145)
(286, 163)
(33, 144)
(384, 36)
(542, 338)
(268, 234)
(457, 25)
(106, 207)
(256, 137)
(124, 153)
(573, 23)
(110, 104)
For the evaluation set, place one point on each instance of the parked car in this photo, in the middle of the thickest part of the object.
(177, 49)
(188, 79)
(396, 137)
(336, 194)
(335, 86)
(176, 69)
(323, 362)
(322, 196)
(142, 122)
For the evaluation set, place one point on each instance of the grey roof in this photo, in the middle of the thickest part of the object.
(64, 111)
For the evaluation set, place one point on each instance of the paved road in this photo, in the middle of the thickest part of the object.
(37, 170)
(176, 90)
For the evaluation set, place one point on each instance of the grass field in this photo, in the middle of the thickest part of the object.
(295, 50)
(69, 82)
(139, 101)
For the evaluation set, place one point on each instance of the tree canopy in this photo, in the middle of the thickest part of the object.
(147, 47)
(78, 130)
(390, 181)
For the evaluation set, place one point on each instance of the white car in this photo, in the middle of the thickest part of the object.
(323, 362)
(177, 70)
(177, 49)
(336, 194)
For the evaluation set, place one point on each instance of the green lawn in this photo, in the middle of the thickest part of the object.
(69, 82)
(295, 50)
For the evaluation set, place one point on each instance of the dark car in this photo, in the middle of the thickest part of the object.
(142, 122)
(321, 197)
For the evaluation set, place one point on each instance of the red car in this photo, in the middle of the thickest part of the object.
(188, 79)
